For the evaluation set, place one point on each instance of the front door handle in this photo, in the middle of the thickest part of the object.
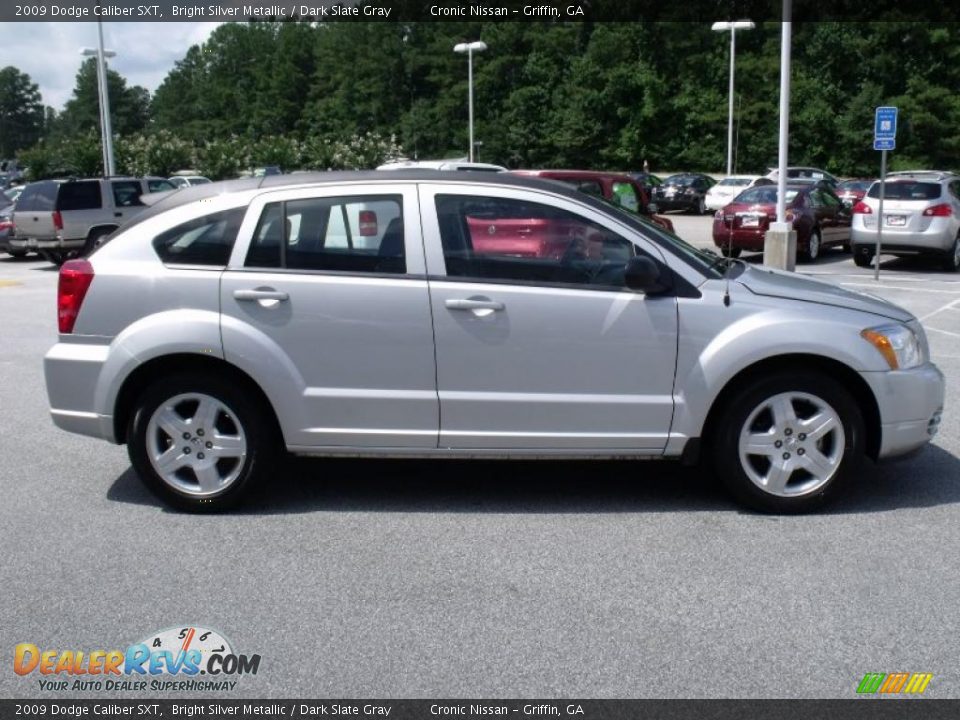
(474, 304)
(260, 294)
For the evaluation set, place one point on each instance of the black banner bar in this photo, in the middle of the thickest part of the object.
(854, 709)
(471, 10)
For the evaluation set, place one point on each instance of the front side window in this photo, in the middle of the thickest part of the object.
(349, 234)
(159, 185)
(503, 239)
(625, 195)
(206, 240)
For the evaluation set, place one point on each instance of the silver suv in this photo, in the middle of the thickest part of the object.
(468, 315)
(921, 216)
(64, 218)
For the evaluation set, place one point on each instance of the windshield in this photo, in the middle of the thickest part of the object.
(679, 180)
(739, 182)
(907, 190)
(765, 195)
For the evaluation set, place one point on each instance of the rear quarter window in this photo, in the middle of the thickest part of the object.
(80, 196)
(38, 198)
(205, 241)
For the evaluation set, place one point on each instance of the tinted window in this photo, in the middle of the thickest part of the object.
(679, 180)
(625, 195)
(126, 193)
(739, 182)
(206, 240)
(38, 197)
(765, 195)
(513, 240)
(80, 196)
(590, 187)
(854, 185)
(907, 190)
(351, 234)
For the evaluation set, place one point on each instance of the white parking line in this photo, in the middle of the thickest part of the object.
(905, 289)
(940, 310)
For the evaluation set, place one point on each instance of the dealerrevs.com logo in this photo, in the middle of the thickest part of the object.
(187, 658)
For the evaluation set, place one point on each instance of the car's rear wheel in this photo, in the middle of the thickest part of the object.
(812, 251)
(57, 257)
(787, 443)
(701, 207)
(17, 253)
(862, 256)
(951, 258)
(200, 443)
(94, 240)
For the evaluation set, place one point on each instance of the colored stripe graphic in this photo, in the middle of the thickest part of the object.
(918, 683)
(893, 683)
(871, 682)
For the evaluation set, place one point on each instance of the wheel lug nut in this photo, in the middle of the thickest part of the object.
(199, 456)
(186, 451)
(801, 451)
(786, 456)
(788, 431)
(778, 443)
(802, 436)
(209, 444)
(186, 436)
(200, 432)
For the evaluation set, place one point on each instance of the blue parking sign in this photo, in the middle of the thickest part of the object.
(885, 125)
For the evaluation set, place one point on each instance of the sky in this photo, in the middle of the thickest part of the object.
(50, 52)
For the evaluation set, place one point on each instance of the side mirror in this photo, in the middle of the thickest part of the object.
(653, 208)
(642, 273)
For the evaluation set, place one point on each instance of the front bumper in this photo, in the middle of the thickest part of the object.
(910, 404)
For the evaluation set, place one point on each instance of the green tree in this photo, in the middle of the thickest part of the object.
(21, 112)
(129, 106)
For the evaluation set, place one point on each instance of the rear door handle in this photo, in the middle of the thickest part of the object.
(118, 214)
(465, 304)
(264, 294)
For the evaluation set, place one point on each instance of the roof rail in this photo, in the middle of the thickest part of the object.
(938, 174)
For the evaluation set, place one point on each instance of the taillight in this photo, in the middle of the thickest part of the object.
(57, 220)
(368, 223)
(75, 279)
(861, 208)
(941, 210)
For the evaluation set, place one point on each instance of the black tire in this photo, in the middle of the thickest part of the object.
(725, 443)
(700, 208)
(731, 252)
(255, 423)
(951, 258)
(57, 257)
(94, 241)
(18, 254)
(814, 247)
(862, 256)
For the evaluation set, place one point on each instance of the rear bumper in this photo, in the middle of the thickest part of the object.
(910, 404)
(72, 371)
(22, 243)
(938, 236)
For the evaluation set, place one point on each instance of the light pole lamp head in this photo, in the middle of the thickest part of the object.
(736, 25)
(93, 51)
(475, 46)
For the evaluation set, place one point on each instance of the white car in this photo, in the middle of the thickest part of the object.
(182, 181)
(452, 164)
(723, 193)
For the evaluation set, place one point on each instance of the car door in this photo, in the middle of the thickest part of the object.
(547, 352)
(326, 298)
(826, 215)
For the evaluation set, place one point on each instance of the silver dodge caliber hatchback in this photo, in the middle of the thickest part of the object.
(417, 313)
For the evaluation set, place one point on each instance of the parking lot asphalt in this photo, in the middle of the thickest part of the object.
(357, 578)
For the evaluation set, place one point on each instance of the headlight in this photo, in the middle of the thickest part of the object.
(897, 343)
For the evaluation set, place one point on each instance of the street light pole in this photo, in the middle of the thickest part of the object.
(469, 49)
(732, 27)
(103, 94)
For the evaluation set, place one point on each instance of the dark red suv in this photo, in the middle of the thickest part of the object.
(816, 213)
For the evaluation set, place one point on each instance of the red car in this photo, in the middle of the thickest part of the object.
(852, 191)
(620, 189)
(816, 213)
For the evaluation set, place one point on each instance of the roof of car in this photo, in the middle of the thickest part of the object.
(169, 199)
(570, 174)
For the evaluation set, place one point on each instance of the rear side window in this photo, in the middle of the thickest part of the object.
(907, 190)
(38, 197)
(80, 196)
(159, 185)
(126, 193)
(349, 234)
(206, 240)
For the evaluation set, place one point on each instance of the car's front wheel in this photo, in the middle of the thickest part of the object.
(787, 442)
(813, 247)
(199, 442)
(862, 256)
